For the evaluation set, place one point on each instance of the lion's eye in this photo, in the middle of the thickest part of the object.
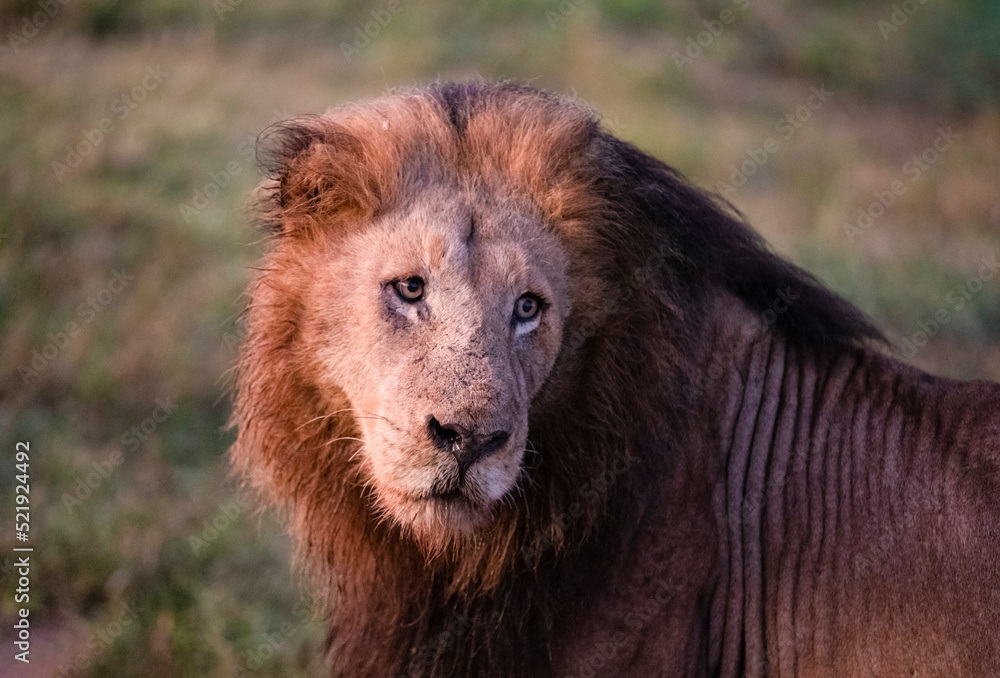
(527, 307)
(410, 290)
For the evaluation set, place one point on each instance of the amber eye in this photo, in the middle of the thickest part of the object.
(410, 290)
(526, 307)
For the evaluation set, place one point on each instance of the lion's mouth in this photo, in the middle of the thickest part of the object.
(453, 492)
(445, 503)
(448, 487)
(448, 495)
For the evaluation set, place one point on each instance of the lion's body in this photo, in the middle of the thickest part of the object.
(690, 462)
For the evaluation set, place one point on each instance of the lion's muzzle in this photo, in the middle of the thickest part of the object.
(465, 445)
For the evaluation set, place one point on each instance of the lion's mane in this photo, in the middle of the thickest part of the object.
(645, 245)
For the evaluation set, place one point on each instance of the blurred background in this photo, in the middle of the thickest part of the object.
(861, 138)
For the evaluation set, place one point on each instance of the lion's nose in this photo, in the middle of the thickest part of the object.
(465, 445)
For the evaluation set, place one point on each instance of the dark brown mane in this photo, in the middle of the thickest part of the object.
(640, 234)
(706, 239)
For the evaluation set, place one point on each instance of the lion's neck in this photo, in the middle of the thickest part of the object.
(794, 458)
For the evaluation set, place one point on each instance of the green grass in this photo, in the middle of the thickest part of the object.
(123, 559)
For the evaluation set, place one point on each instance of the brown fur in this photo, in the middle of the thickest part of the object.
(623, 400)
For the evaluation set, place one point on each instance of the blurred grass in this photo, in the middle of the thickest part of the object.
(233, 67)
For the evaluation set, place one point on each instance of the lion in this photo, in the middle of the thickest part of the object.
(535, 405)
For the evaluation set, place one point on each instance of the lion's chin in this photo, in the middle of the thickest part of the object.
(436, 520)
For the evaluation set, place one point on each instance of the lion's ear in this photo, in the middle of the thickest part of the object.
(317, 172)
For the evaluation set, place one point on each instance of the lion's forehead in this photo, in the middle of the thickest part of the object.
(455, 241)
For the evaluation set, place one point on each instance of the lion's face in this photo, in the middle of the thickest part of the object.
(440, 323)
